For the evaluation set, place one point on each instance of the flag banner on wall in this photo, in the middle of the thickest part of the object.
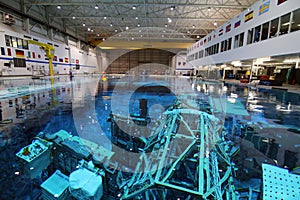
(19, 54)
(228, 28)
(263, 8)
(280, 2)
(66, 60)
(237, 24)
(8, 51)
(220, 32)
(249, 16)
(61, 60)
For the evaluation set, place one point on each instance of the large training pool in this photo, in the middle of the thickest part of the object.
(261, 125)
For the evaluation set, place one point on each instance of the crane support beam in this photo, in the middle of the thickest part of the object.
(49, 50)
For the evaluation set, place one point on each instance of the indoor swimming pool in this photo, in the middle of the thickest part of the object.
(116, 125)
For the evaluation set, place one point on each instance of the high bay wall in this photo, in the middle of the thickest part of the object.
(143, 61)
(18, 57)
(21, 22)
(267, 28)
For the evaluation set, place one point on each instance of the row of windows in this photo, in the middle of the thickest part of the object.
(16, 42)
(214, 49)
(226, 45)
(285, 24)
(282, 25)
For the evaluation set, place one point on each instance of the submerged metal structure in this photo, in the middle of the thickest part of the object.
(185, 157)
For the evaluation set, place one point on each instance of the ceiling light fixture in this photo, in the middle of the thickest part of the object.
(127, 28)
(96, 7)
(166, 25)
(169, 20)
(116, 30)
(83, 24)
(138, 25)
(111, 24)
(215, 23)
(133, 7)
(105, 17)
(73, 17)
(136, 18)
(89, 29)
(172, 8)
(198, 36)
(194, 26)
(58, 7)
(209, 8)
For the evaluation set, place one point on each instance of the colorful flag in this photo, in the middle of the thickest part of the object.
(220, 32)
(237, 24)
(249, 16)
(228, 28)
(263, 8)
(20, 54)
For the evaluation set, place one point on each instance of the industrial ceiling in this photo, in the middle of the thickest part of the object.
(172, 21)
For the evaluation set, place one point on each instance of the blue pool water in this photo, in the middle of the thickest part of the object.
(84, 105)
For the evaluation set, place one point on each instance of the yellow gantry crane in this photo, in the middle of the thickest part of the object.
(49, 50)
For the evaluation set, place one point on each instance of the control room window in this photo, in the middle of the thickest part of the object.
(284, 24)
(236, 41)
(296, 21)
(20, 43)
(265, 31)
(25, 44)
(241, 40)
(257, 34)
(201, 54)
(250, 36)
(14, 42)
(7, 40)
(274, 28)
(229, 44)
(222, 46)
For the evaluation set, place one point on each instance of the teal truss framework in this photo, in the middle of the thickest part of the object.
(186, 153)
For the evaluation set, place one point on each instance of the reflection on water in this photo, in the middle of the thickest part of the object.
(263, 123)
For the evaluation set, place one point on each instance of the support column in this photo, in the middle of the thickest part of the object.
(26, 25)
(50, 33)
(251, 70)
